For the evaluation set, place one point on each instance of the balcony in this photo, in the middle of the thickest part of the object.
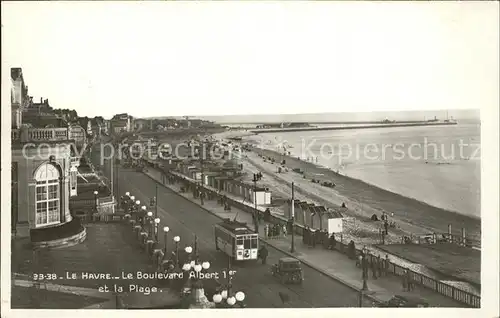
(39, 135)
(46, 134)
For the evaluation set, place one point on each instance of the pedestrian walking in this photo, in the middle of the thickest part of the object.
(405, 280)
(374, 267)
(314, 237)
(263, 254)
(386, 265)
(284, 230)
(333, 241)
(267, 215)
(266, 231)
(379, 266)
(409, 281)
(326, 240)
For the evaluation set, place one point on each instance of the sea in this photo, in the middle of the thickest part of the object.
(439, 165)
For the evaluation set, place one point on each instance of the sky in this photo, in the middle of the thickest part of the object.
(461, 115)
(217, 58)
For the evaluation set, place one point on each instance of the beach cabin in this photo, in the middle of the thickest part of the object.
(170, 164)
(191, 171)
(232, 168)
(334, 219)
(262, 196)
(248, 191)
(210, 178)
(314, 216)
(219, 181)
(300, 211)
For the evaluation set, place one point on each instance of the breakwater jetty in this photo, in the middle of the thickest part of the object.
(400, 124)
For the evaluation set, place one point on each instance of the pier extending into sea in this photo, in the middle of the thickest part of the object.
(394, 124)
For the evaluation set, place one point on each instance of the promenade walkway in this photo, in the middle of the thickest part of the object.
(331, 263)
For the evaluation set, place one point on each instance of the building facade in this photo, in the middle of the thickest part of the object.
(19, 96)
(77, 134)
(121, 123)
(41, 186)
(44, 165)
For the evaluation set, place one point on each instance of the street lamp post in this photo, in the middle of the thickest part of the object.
(165, 232)
(230, 301)
(364, 267)
(188, 250)
(202, 154)
(95, 200)
(194, 285)
(256, 213)
(131, 206)
(364, 262)
(292, 248)
(150, 221)
(126, 202)
(142, 215)
(177, 239)
(196, 247)
(157, 222)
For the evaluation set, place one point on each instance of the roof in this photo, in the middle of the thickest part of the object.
(337, 212)
(235, 226)
(223, 178)
(248, 185)
(231, 163)
(16, 73)
(289, 259)
(304, 205)
(42, 120)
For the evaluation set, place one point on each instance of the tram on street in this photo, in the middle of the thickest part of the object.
(236, 240)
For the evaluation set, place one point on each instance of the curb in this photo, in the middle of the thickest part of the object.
(307, 263)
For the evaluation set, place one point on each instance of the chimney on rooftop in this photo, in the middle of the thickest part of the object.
(41, 100)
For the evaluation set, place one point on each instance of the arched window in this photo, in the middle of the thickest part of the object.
(47, 195)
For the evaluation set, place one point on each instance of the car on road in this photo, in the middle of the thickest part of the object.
(405, 301)
(288, 270)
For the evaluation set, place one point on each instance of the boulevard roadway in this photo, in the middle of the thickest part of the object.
(185, 218)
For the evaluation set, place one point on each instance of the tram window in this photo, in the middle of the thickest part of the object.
(247, 243)
(254, 243)
(239, 241)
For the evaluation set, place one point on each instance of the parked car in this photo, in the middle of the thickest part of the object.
(405, 301)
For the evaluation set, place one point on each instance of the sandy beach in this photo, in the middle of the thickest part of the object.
(414, 212)
(364, 199)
